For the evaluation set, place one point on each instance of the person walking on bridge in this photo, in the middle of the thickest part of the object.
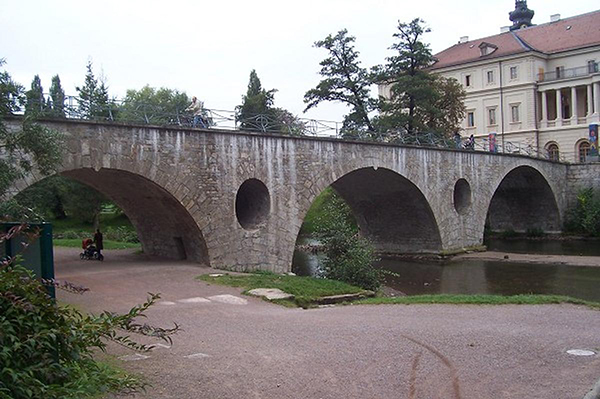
(197, 107)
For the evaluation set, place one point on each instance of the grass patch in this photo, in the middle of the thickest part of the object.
(305, 289)
(76, 243)
(479, 300)
(109, 220)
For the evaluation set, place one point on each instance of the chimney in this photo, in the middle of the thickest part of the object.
(463, 39)
(504, 29)
(554, 17)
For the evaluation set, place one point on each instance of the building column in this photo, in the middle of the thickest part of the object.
(544, 109)
(558, 108)
(574, 105)
(596, 98)
(590, 100)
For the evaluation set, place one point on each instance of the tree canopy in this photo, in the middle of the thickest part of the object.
(57, 97)
(93, 97)
(420, 101)
(344, 81)
(151, 105)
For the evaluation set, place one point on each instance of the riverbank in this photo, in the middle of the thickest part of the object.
(541, 259)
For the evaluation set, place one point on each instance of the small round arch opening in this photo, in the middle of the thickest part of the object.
(252, 204)
(462, 196)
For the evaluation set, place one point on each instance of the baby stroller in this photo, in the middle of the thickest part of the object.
(90, 251)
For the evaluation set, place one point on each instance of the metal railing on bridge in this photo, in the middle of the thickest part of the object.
(278, 122)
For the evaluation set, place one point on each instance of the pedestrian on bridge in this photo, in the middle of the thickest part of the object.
(197, 107)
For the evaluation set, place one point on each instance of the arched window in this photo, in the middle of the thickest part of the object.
(553, 153)
(584, 150)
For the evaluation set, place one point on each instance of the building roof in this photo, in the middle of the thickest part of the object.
(553, 37)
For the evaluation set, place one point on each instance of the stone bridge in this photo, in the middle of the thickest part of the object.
(236, 200)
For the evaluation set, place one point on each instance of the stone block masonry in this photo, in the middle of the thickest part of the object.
(236, 200)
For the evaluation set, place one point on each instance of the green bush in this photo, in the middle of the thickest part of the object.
(71, 234)
(121, 234)
(46, 349)
(584, 218)
(349, 257)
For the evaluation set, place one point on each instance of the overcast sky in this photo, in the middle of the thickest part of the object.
(207, 48)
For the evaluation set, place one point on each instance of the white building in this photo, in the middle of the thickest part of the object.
(535, 86)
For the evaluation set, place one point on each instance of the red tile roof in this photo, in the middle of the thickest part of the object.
(565, 34)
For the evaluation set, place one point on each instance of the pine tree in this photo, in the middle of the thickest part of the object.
(257, 105)
(35, 98)
(57, 96)
(87, 94)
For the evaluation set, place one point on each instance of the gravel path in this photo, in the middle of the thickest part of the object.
(242, 347)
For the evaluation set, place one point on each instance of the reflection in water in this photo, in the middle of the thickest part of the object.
(478, 277)
(550, 247)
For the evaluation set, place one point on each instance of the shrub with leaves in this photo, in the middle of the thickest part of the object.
(46, 349)
(349, 257)
(585, 216)
(121, 234)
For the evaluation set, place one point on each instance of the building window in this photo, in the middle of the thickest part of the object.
(584, 151)
(490, 76)
(468, 80)
(514, 113)
(492, 116)
(514, 73)
(560, 72)
(592, 66)
(553, 153)
(470, 119)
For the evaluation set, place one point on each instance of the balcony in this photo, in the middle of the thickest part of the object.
(569, 73)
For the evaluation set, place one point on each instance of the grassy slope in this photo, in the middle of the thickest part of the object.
(480, 300)
(316, 211)
(305, 289)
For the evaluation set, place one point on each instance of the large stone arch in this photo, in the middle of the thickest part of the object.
(390, 210)
(164, 226)
(523, 200)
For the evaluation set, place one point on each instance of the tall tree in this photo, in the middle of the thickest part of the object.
(419, 100)
(257, 105)
(87, 93)
(93, 99)
(344, 81)
(35, 98)
(57, 95)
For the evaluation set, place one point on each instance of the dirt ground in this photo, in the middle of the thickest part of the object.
(234, 346)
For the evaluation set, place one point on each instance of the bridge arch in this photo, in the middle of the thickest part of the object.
(164, 226)
(390, 210)
(523, 200)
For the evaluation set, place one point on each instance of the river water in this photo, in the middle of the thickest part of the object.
(488, 277)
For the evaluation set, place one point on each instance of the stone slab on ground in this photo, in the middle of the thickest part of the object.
(329, 300)
(228, 299)
(270, 293)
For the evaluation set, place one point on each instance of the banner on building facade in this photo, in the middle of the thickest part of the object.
(492, 142)
(594, 140)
